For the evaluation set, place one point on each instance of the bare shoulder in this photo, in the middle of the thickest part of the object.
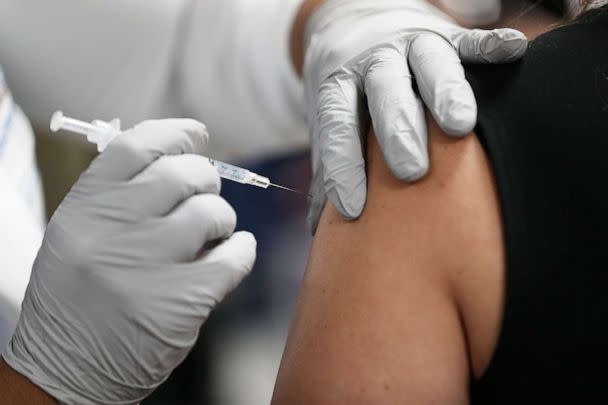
(406, 301)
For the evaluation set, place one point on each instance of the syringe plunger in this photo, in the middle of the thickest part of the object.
(60, 121)
(98, 132)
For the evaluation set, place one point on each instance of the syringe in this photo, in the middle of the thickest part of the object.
(101, 133)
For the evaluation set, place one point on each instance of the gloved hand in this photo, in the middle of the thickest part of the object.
(124, 278)
(375, 48)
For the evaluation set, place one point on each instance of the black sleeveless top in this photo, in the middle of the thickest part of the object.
(544, 125)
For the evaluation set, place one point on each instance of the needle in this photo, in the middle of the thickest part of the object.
(287, 189)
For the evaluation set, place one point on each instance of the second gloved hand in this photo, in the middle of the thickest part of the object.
(372, 50)
(125, 276)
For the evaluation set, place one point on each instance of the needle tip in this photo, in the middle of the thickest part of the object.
(286, 189)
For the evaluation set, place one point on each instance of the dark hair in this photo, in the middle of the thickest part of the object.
(590, 9)
(578, 9)
(587, 5)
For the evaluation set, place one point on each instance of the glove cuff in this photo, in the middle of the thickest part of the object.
(350, 10)
(369, 24)
(43, 350)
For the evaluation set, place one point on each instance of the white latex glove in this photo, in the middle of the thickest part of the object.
(122, 282)
(371, 50)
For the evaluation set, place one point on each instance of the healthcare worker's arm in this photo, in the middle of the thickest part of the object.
(132, 263)
(405, 304)
(225, 63)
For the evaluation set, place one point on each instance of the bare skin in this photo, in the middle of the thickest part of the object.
(16, 389)
(405, 304)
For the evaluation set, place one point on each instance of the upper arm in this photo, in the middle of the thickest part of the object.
(16, 389)
(380, 316)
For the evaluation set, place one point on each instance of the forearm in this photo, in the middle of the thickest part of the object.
(16, 389)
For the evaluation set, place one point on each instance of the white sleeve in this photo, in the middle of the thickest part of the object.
(238, 77)
(222, 62)
(92, 59)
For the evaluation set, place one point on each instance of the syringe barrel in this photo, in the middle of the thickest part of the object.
(230, 172)
(240, 175)
(79, 127)
(102, 133)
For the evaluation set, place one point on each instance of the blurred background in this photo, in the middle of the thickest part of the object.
(239, 350)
